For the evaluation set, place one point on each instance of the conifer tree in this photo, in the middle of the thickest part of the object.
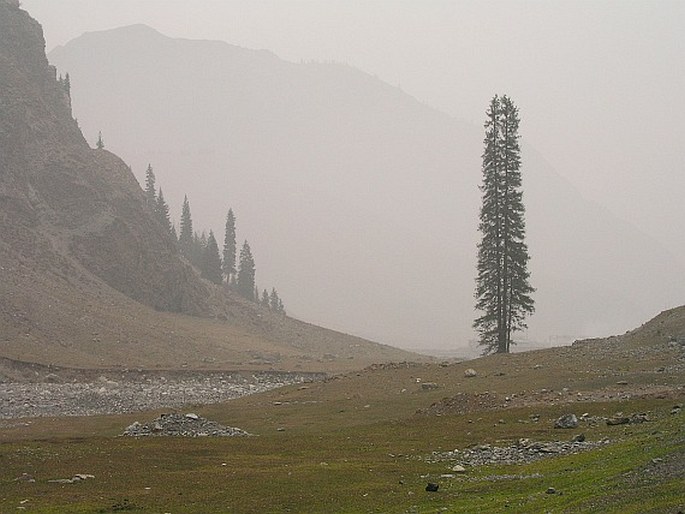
(162, 211)
(100, 143)
(265, 299)
(150, 191)
(503, 292)
(245, 281)
(65, 83)
(211, 269)
(185, 238)
(228, 265)
(197, 250)
(274, 300)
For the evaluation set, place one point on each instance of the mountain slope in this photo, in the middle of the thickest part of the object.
(360, 203)
(86, 271)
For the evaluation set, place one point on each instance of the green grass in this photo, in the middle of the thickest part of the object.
(318, 466)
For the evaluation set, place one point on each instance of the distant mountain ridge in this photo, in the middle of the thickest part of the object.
(361, 202)
(88, 276)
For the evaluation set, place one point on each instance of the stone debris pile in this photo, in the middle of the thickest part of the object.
(521, 452)
(180, 425)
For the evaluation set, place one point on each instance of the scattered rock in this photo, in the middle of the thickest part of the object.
(566, 421)
(458, 468)
(432, 487)
(620, 419)
(521, 452)
(676, 409)
(190, 425)
(428, 386)
(470, 373)
(578, 438)
(76, 478)
(551, 490)
(135, 390)
(25, 477)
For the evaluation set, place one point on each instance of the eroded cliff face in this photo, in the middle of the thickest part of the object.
(65, 207)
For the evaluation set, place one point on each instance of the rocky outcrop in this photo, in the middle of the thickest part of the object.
(63, 202)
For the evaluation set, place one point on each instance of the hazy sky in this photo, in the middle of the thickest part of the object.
(599, 83)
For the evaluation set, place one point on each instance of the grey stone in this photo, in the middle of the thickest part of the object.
(470, 373)
(566, 421)
(579, 438)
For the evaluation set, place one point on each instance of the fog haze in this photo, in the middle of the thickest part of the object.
(598, 85)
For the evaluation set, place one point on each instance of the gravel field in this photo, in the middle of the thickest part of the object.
(133, 391)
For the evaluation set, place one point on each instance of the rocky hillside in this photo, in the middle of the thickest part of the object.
(87, 275)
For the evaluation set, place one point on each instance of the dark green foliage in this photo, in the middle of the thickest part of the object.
(211, 261)
(150, 187)
(162, 211)
(265, 299)
(100, 143)
(245, 282)
(65, 83)
(185, 238)
(503, 292)
(275, 302)
(229, 254)
(197, 250)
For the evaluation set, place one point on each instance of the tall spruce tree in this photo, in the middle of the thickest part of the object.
(150, 187)
(245, 281)
(185, 238)
(503, 291)
(211, 269)
(162, 211)
(67, 84)
(100, 144)
(274, 300)
(228, 265)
